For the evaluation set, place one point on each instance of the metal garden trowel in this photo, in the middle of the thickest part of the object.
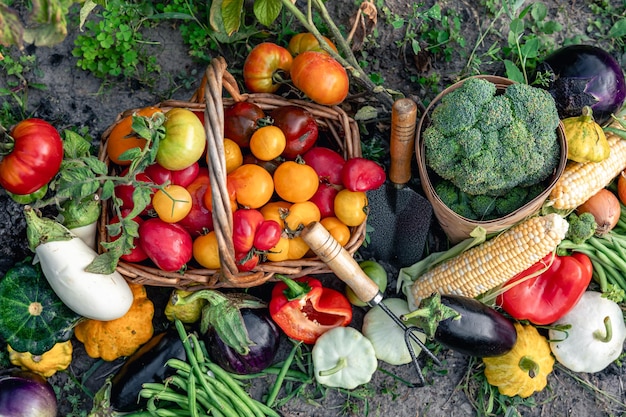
(399, 216)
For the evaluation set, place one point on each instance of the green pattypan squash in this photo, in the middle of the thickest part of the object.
(343, 358)
(586, 141)
(32, 317)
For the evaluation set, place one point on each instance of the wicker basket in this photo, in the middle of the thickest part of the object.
(208, 98)
(455, 226)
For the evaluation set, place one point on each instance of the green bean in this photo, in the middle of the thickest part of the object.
(602, 249)
(223, 376)
(600, 276)
(241, 406)
(291, 374)
(191, 395)
(281, 376)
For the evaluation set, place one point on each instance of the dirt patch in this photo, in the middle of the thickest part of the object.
(73, 98)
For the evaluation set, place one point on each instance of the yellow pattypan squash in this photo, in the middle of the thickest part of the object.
(113, 339)
(586, 141)
(188, 312)
(47, 364)
(525, 368)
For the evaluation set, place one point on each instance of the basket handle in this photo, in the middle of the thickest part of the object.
(229, 83)
(215, 79)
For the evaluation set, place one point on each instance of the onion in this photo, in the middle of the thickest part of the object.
(585, 75)
(621, 187)
(605, 208)
(26, 394)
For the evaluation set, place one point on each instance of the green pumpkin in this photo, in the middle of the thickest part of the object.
(586, 141)
(32, 317)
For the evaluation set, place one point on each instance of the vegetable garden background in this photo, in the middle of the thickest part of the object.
(135, 54)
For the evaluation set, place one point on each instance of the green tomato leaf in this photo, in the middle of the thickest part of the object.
(49, 26)
(11, 28)
(74, 145)
(97, 166)
(105, 263)
(85, 10)
(107, 190)
(229, 18)
(266, 11)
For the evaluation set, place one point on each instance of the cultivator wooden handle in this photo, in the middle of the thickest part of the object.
(402, 140)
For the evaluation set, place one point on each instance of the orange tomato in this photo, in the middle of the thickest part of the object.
(232, 196)
(295, 182)
(122, 137)
(337, 229)
(267, 143)
(253, 185)
(301, 42)
(351, 207)
(276, 210)
(301, 214)
(234, 157)
(206, 251)
(172, 203)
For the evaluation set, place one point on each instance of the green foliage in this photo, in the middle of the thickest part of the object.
(16, 70)
(114, 46)
(609, 24)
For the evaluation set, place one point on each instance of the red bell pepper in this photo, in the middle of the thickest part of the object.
(548, 289)
(304, 309)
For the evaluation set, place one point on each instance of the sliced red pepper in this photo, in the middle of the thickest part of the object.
(304, 309)
(546, 297)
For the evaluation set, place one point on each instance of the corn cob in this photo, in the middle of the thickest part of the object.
(580, 181)
(495, 261)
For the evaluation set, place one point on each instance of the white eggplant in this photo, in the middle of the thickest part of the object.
(63, 258)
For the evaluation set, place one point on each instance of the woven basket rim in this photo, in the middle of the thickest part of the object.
(456, 226)
(210, 99)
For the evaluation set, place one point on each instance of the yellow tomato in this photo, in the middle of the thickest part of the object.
(280, 252)
(351, 207)
(295, 182)
(206, 251)
(267, 143)
(301, 214)
(234, 157)
(172, 203)
(337, 229)
(253, 185)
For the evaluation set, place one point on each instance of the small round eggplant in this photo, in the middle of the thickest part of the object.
(26, 394)
(146, 365)
(479, 331)
(261, 330)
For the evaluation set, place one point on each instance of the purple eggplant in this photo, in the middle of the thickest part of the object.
(26, 394)
(261, 330)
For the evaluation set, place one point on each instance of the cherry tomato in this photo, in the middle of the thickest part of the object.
(324, 199)
(137, 254)
(262, 63)
(233, 155)
(185, 176)
(267, 143)
(158, 174)
(123, 138)
(206, 251)
(351, 207)
(200, 219)
(295, 182)
(168, 245)
(326, 162)
(31, 156)
(245, 224)
(253, 185)
(300, 129)
(172, 203)
(246, 261)
(302, 42)
(300, 215)
(320, 77)
(240, 121)
(361, 174)
(337, 229)
(267, 235)
(184, 140)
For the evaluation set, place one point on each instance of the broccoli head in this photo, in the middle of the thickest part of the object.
(490, 143)
(510, 202)
(447, 192)
(581, 227)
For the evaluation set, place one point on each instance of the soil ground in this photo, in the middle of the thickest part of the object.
(73, 98)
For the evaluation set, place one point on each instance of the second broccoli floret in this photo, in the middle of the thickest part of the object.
(581, 227)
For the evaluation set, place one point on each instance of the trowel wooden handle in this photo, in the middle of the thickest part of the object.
(340, 261)
(403, 123)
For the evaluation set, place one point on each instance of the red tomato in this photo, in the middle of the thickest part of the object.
(245, 225)
(137, 254)
(158, 174)
(302, 42)
(240, 122)
(246, 261)
(324, 199)
(265, 60)
(185, 176)
(326, 162)
(267, 235)
(128, 194)
(320, 77)
(168, 245)
(200, 219)
(361, 174)
(31, 158)
(300, 129)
